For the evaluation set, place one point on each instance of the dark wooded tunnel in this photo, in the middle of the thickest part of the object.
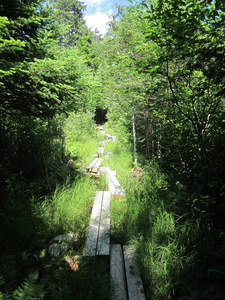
(100, 115)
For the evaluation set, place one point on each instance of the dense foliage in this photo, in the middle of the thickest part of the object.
(172, 95)
(160, 69)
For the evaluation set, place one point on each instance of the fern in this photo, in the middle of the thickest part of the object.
(30, 289)
(4, 296)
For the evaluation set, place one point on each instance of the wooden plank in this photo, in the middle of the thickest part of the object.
(111, 186)
(117, 273)
(95, 165)
(113, 183)
(134, 282)
(110, 182)
(92, 239)
(100, 151)
(92, 164)
(104, 227)
(98, 163)
(108, 136)
(99, 127)
(107, 154)
(102, 143)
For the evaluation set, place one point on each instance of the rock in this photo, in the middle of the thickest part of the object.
(70, 237)
(70, 165)
(61, 243)
(55, 250)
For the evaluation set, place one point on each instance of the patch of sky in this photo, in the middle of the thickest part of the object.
(98, 12)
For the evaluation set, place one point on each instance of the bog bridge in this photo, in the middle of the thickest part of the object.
(124, 272)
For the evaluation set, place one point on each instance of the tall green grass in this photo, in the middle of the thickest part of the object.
(117, 127)
(33, 222)
(167, 266)
(120, 160)
(141, 203)
(122, 156)
(81, 139)
(68, 209)
(146, 217)
(90, 282)
(173, 242)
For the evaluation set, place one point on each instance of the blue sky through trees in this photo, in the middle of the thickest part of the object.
(98, 12)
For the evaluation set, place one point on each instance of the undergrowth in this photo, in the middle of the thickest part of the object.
(90, 282)
(26, 268)
(68, 209)
(120, 158)
(179, 254)
(172, 246)
(81, 138)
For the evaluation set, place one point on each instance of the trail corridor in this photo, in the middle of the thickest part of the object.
(126, 280)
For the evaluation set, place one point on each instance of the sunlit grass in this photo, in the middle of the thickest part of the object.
(120, 160)
(68, 210)
(82, 152)
(143, 217)
(82, 138)
(117, 128)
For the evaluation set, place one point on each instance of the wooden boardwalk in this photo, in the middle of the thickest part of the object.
(94, 167)
(114, 186)
(98, 239)
(125, 276)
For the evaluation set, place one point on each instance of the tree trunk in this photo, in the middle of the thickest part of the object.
(148, 131)
(134, 134)
(159, 138)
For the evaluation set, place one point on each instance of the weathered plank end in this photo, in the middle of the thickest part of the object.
(134, 282)
(117, 272)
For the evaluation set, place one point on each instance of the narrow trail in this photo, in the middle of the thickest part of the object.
(125, 276)
(126, 281)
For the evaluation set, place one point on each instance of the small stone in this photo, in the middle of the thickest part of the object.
(55, 250)
(70, 237)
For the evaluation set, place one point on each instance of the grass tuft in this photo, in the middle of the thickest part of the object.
(68, 210)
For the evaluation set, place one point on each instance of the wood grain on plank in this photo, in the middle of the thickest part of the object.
(92, 239)
(117, 273)
(113, 183)
(104, 226)
(134, 282)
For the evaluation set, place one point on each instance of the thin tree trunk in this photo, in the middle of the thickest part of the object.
(148, 136)
(159, 138)
(134, 134)
(63, 137)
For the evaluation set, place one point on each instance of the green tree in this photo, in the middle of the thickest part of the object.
(124, 83)
(68, 18)
(190, 39)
